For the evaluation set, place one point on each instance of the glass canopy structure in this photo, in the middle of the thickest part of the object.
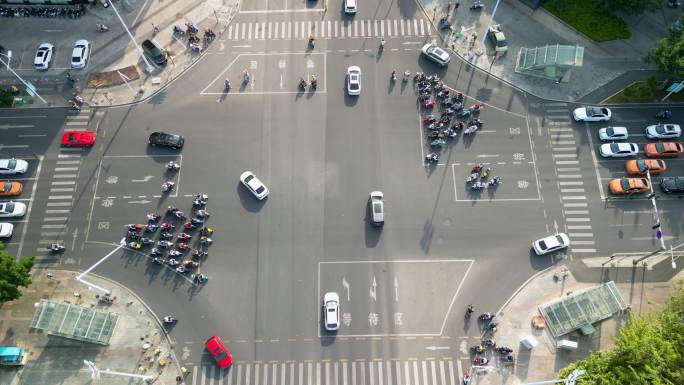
(550, 62)
(74, 322)
(580, 310)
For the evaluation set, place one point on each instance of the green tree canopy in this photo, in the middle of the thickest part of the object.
(13, 274)
(648, 350)
(668, 53)
(632, 7)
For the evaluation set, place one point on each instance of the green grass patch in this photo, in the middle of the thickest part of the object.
(644, 92)
(589, 18)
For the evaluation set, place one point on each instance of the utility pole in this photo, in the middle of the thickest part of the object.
(491, 19)
(95, 372)
(149, 68)
(27, 85)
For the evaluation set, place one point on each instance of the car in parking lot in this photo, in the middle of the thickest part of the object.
(155, 53)
(663, 131)
(618, 150)
(254, 185)
(640, 166)
(591, 114)
(377, 207)
(354, 80)
(166, 140)
(497, 37)
(663, 149)
(613, 133)
(6, 229)
(43, 56)
(620, 186)
(10, 188)
(435, 54)
(13, 166)
(331, 309)
(672, 185)
(551, 243)
(12, 209)
(80, 54)
(78, 138)
(219, 352)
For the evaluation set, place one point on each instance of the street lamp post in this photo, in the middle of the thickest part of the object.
(95, 372)
(489, 23)
(149, 67)
(22, 80)
(656, 217)
(569, 380)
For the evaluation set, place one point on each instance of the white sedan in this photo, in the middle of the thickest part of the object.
(591, 114)
(613, 133)
(331, 307)
(12, 209)
(6, 230)
(663, 131)
(618, 150)
(551, 243)
(79, 56)
(13, 166)
(254, 185)
(354, 80)
(436, 54)
(43, 56)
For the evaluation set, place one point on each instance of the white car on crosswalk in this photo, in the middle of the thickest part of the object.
(12, 209)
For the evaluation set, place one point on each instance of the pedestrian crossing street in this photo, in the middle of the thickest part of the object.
(327, 29)
(573, 195)
(376, 372)
(62, 187)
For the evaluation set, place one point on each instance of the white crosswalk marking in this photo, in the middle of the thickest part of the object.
(395, 27)
(382, 28)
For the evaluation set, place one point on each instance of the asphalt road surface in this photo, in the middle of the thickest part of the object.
(403, 287)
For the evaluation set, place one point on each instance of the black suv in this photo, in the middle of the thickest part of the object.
(672, 185)
(166, 140)
(155, 53)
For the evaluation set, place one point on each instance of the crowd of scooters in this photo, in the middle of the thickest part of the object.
(166, 252)
(454, 116)
(191, 32)
(479, 352)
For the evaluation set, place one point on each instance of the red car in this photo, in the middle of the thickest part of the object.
(219, 352)
(78, 138)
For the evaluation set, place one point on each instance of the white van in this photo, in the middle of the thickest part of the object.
(349, 6)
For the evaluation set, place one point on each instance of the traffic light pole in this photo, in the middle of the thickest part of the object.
(22, 80)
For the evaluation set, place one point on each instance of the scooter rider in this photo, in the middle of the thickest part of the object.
(394, 74)
(169, 319)
(226, 84)
(382, 43)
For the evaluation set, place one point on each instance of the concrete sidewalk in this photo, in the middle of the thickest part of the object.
(138, 345)
(544, 361)
(113, 50)
(604, 63)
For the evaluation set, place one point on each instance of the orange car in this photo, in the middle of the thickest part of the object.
(639, 166)
(663, 149)
(9, 188)
(629, 186)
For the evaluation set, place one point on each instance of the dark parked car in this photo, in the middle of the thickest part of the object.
(672, 185)
(166, 140)
(155, 53)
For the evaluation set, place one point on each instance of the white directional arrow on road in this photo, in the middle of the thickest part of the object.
(145, 179)
(374, 290)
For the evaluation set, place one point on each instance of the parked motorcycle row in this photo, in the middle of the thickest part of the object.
(71, 13)
(159, 234)
(453, 117)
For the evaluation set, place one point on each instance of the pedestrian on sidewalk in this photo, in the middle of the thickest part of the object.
(155, 29)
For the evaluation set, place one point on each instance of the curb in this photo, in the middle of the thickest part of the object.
(526, 92)
(149, 310)
(524, 284)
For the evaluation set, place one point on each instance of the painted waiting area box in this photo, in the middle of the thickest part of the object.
(11, 355)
